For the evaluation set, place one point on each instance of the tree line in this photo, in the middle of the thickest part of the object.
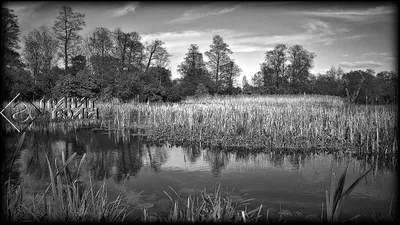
(286, 70)
(56, 62)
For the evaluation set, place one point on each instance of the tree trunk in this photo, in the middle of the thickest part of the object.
(66, 56)
(216, 75)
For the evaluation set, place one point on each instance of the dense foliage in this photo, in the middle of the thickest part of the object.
(56, 61)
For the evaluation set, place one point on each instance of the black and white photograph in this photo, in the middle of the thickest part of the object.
(214, 111)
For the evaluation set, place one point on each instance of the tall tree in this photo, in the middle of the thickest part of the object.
(246, 87)
(228, 76)
(218, 56)
(66, 28)
(264, 79)
(40, 51)
(192, 62)
(10, 38)
(388, 86)
(121, 39)
(156, 54)
(135, 52)
(300, 63)
(15, 79)
(193, 72)
(335, 73)
(98, 43)
(99, 48)
(276, 60)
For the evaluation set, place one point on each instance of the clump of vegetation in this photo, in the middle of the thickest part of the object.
(336, 196)
(218, 206)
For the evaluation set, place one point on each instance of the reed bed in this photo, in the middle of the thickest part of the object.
(302, 122)
(273, 122)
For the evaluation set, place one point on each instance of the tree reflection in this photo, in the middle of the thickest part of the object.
(297, 160)
(192, 152)
(217, 159)
(157, 157)
(130, 161)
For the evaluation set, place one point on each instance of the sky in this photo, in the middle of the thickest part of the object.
(352, 35)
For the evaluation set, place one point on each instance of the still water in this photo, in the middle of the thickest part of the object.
(292, 181)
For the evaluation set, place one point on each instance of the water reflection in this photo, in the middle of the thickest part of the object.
(295, 179)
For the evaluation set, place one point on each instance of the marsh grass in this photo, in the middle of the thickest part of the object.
(218, 206)
(337, 195)
(303, 122)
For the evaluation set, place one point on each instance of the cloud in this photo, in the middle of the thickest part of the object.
(318, 26)
(362, 64)
(352, 14)
(25, 10)
(353, 37)
(382, 55)
(314, 32)
(194, 14)
(123, 10)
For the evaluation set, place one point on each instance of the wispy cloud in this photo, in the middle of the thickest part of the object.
(318, 27)
(353, 15)
(382, 55)
(195, 14)
(314, 32)
(26, 10)
(362, 64)
(123, 10)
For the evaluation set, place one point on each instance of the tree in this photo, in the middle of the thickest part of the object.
(193, 72)
(78, 64)
(156, 84)
(336, 74)
(300, 63)
(192, 63)
(218, 56)
(228, 76)
(388, 86)
(201, 90)
(98, 43)
(156, 55)
(129, 50)
(40, 49)
(121, 39)
(353, 83)
(334, 77)
(13, 67)
(100, 49)
(135, 52)
(10, 38)
(246, 86)
(22, 83)
(276, 61)
(82, 84)
(105, 71)
(66, 28)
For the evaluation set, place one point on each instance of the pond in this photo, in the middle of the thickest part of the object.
(295, 181)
